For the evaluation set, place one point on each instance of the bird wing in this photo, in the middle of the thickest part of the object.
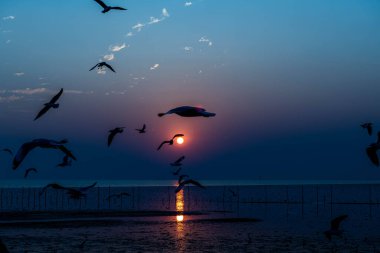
(94, 67)
(55, 98)
(336, 221)
(28, 171)
(162, 143)
(109, 66)
(22, 152)
(67, 152)
(191, 181)
(179, 187)
(180, 159)
(42, 112)
(144, 126)
(371, 152)
(101, 3)
(118, 8)
(178, 135)
(110, 137)
(54, 186)
(87, 187)
(8, 150)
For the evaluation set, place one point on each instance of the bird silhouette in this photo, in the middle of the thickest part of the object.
(28, 171)
(74, 193)
(372, 149)
(334, 227)
(65, 162)
(186, 182)
(189, 111)
(42, 143)
(112, 134)
(103, 64)
(178, 161)
(51, 104)
(142, 130)
(367, 126)
(8, 151)
(107, 8)
(170, 142)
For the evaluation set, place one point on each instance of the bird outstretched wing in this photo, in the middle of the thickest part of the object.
(118, 8)
(22, 153)
(88, 187)
(336, 221)
(42, 112)
(110, 137)
(371, 152)
(109, 66)
(162, 143)
(67, 152)
(94, 67)
(55, 98)
(101, 3)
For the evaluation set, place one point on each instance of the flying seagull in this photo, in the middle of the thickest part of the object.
(334, 229)
(189, 111)
(65, 162)
(100, 65)
(372, 149)
(142, 130)
(107, 8)
(28, 171)
(113, 132)
(8, 150)
(170, 142)
(51, 104)
(42, 143)
(367, 126)
(178, 162)
(188, 181)
(74, 193)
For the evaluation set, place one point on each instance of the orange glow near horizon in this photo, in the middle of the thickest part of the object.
(180, 206)
(180, 140)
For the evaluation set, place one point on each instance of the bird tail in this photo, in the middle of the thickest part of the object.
(161, 114)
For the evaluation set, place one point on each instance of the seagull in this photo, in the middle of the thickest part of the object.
(100, 65)
(188, 181)
(65, 162)
(334, 229)
(142, 130)
(189, 111)
(372, 149)
(51, 104)
(119, 195)
(113, 132)
(178, 162)
(73, 192)
(55, 186)
(8, 150)
(107, 8)
(42, 143)
(367, 126)
(28, 171)
(170, 142)
(175, 173)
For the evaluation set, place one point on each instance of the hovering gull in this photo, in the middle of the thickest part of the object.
(189, 111)
(51, 104)
(334, 229)
(28, 171)
(65, 162)
(142, 130)
(181, 177)
(72, 192)
(113, 132)
(178, 162)
(367, 126)
(42, 143)
(170, 142)
(107, 8)
(8, 150)
(372, 149)
(100, 65)
(175, 173)
(118, 195)
(188, 181)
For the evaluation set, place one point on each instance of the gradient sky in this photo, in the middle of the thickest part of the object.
(290, 82)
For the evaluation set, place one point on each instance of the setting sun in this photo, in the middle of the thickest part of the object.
(180, 140)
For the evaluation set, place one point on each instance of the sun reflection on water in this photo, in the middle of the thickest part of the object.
(179, 206)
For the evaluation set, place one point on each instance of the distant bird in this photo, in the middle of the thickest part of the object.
(178, 162)
(51, 104)
(55, 186)
(175, 173)
(28, 171)
(372, 149)
(188, 181)
(181, 177)
(367, 126)
(8, 150)
(234, 194)
(74, 193)
(189, 111)
(171, 141)
(107, 8)
(142, 130)
(42, 143)
(334, 229)
(102, 64)
(113, 132)
(3, 248)
(118, 195)
(65, 162)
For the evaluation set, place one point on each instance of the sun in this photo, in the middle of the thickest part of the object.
(180, 140)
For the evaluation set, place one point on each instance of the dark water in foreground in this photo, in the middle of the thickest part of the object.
(244, 218)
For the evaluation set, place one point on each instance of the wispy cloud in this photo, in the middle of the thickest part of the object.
(29, 91)
(187, 4)
(165, 12)
(129, 34)
(10, 98)
(19, 73)
(101, 71)
(154, 66)
(205, 40)
(109, 57)
(9, 18)
(78, 92)
(8, 41)
(154, 20)
(187, 48)
(117, 48)
(138, 26)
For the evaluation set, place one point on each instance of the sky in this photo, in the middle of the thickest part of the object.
(290, 82)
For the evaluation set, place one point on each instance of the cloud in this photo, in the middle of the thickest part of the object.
(205, 40)
(117, 48)
(10, 98)
(109, 57)
(154, 20)
(165, 12)
(129, 34)
(19, 73)
(29, 91)
(154, 66)
(101, 71)
(9, 18)
(188, 48)
(78, 92)
(187, 4)
(138, 27)
(8, 41)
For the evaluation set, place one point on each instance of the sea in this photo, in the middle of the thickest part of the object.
(225, 216)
